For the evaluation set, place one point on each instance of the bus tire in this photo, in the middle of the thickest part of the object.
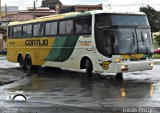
(119, 76)
(89, 68)
(21, 62)
(28, 62)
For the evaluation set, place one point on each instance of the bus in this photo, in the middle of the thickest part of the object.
(96, 41)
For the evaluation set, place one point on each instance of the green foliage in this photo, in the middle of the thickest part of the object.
(49, 3)
(156, 56)
(158, 38)
(153, 17)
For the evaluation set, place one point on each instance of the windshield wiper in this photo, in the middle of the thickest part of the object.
(107, 27)
(104, 27)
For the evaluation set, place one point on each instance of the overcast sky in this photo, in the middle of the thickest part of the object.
(120, 5)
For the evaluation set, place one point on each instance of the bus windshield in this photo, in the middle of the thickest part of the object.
(129, 20)
(131, 41)
(127, 34)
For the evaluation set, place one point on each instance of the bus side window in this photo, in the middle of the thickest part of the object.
(83, 25)
(10, 32)
(51, 28)
(78, 26)
(62, 27)
(38, 29)
(54, 29)
(48, 29)
(69, 27)
(87, 25)
(35, 29)
(27, 30)
(17, 31)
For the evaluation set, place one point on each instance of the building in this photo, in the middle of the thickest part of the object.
(39, 11)
(51, 3)
(9, 10)
(3, 38)
(155, 43)
(5, 11)
(76, 8)
(4, 23)
(22, 15)
(15, 17)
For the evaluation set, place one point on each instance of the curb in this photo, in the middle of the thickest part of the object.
(3, 58)
(156, 61)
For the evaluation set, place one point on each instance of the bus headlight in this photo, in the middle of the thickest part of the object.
(118, 60)
(124, 68)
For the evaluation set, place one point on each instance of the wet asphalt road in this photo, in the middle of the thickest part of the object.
(51, 91)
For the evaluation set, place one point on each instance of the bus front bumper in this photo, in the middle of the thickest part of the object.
(133, 66)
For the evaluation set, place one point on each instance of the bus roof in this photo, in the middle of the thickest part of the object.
(72, 14)
(116, 12)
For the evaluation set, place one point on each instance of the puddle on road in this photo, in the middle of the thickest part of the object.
(73, 88)
(67, 87)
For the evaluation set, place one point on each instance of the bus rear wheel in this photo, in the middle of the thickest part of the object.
(28, 62)
(21, 62)
(89, 68)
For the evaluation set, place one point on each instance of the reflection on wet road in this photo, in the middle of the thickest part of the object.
(66, 88)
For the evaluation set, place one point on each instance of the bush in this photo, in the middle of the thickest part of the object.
(158, 39)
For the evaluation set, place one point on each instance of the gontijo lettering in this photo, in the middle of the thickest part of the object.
(43, 42)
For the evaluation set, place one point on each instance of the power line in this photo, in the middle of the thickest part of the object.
(127, 5)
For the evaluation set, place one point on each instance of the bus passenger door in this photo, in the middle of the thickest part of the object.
(108, 40)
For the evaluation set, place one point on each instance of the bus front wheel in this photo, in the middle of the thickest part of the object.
(28, 62)
(89, 68)
(21, 62)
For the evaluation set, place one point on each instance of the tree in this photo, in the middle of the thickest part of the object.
(158, 39)
(153, 17)
(50, 3)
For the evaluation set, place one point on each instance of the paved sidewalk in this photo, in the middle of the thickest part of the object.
(156, 61)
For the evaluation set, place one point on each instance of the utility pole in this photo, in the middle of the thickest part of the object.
(109, 6)
(34, 10)
(6, 9)
(0, 10)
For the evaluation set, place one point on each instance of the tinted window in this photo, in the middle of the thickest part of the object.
(102, 20)
(17, 31)
(38, 29)
(62, 27)
(9, 31)
(83, 25)
(48, 29)
(27, 30)
(51, 28)
(87, 25)
(129, 20)
(78, 25)
(69, 27)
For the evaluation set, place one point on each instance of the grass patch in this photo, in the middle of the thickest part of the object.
(156, 56)
(2, 55)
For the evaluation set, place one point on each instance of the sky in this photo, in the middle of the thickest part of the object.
(120, 5)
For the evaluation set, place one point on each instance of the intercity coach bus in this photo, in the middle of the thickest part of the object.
(98, 41)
